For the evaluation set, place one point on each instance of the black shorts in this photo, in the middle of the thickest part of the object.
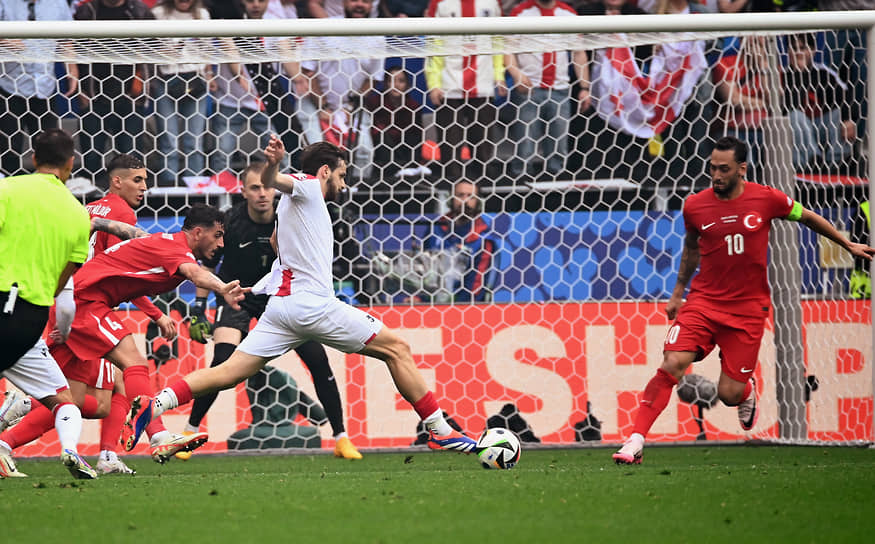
(20, 329)
(251, 307)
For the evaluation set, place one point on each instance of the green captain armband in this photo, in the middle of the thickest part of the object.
(795, 212)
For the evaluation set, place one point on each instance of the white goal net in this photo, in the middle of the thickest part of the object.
(538, 302)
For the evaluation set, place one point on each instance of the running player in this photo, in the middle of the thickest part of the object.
(728, 235)
(134, 268)
(247, 256)
(303, 306)
(106, 397)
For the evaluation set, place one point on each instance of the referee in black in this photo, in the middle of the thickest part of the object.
(248, 256)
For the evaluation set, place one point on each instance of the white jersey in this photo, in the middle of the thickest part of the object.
(305, 241)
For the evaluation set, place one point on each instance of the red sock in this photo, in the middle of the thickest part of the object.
(155, 427)
(182, 391)
(137, 381)
(656, 397)
(89, 407)
(32, 426)
(111, 426)
(426, 406)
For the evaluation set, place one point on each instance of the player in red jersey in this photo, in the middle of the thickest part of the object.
(135, 268)
(95, 384)
(727, 238)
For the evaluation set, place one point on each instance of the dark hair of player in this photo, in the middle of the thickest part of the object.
(739, 148)
(316, 155)
(52, 147)
(203, 215)
(124, 162)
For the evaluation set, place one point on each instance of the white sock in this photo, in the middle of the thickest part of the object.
(637, 436)
(158, 437)
(109, 456)
(5, 447)
(338, 436)
(437, 423)
(191, 428)
(68, 423)
(165, 400)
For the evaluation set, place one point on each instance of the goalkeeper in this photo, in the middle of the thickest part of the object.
(248, 255)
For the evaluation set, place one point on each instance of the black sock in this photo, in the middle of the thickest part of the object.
(316, 360)
(202, 405)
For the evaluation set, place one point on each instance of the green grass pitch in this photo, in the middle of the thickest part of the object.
(679, 494)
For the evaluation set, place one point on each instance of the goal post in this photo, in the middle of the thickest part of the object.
(563, 324)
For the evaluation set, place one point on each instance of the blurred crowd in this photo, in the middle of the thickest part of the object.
(642, 113)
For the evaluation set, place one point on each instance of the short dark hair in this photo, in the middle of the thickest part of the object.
(52, 147)
(254, 167)
(314, 156)
(203, 215)
(731, 143)
(124, 161)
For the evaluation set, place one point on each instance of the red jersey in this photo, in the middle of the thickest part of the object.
(112, 207)
(734, 244)
(134, 268)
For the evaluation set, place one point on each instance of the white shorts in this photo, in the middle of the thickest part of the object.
(290, 321)
(37, 373)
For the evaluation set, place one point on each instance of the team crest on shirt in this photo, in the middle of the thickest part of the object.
(752, 221)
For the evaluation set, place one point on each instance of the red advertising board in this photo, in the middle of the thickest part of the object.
(549, 360)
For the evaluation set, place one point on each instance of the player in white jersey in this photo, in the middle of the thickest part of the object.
(303, 306)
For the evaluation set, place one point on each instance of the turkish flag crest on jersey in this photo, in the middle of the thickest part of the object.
(752, 221)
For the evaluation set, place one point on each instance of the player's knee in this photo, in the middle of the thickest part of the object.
(730, 396)
(674, 364)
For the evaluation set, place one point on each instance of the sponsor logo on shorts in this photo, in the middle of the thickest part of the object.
(746, 370)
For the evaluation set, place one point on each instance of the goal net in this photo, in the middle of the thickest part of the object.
(535, 299)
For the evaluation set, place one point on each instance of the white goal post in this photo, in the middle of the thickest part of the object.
(584, 257)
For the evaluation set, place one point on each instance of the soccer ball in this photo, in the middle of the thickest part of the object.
(697, 390)
(499, 448)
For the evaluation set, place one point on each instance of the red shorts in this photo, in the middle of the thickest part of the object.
(98, 373)
(96, 330)
(699, 328)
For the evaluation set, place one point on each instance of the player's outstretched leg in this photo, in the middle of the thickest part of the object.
(747, 409)
(165, 447)
(656, 396)
(139, 416)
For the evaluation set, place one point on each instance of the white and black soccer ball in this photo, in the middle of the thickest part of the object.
(498, 448)
(697, 390)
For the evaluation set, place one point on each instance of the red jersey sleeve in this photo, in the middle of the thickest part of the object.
(780, 203)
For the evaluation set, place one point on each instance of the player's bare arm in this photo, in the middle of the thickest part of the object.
(821, 226)
(117, 228)
(231, 291)
(271, 177)
(689, 263)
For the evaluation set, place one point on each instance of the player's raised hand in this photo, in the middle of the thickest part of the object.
(275, 150)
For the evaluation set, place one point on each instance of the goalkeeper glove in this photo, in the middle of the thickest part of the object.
(199, 327)
(861, 285)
